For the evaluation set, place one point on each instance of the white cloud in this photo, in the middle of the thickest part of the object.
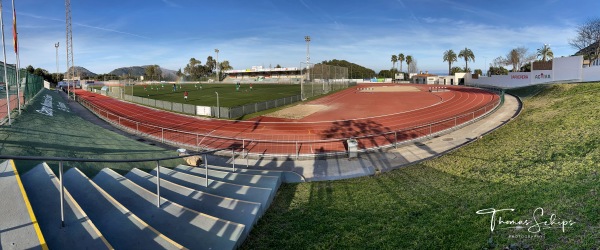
(171, 3)
(365, 40)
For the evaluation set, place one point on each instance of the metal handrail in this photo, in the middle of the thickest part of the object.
(157, 160)
(67, 159)
(464, 114)
(487, 109)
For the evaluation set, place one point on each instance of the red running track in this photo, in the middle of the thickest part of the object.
(375, 119)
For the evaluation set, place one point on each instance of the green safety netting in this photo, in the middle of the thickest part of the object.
(30, 84)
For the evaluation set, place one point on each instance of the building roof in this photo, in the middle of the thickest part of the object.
(591, 48)
(424, 75)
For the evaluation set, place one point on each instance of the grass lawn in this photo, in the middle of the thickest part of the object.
(205, 96)
(549, 158)
(64, 134)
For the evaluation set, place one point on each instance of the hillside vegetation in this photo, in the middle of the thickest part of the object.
(547, 158)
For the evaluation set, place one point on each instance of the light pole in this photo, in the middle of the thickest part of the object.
(218, 107)
(57, 77)
(301, 84)
(484, 65)
(307, 39)
(129, 78)
(217, 66)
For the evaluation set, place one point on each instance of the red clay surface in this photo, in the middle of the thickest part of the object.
(374, 119)
(13, 104)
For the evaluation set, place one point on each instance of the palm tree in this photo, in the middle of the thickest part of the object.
(545, 53)
(409, 60)
(401, 59)
(394, 60)
(450, 57)
(467, 54)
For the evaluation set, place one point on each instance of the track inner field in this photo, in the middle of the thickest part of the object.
(351, 114)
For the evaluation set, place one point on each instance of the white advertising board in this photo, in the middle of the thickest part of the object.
(203, 110)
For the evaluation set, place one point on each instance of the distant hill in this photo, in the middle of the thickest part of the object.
(137, 71)
(81, 71)
(134, 71)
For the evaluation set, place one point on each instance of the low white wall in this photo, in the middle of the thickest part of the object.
(541, 76)
(494, 80)
(567, 68)
(563, 69)
(591, 74)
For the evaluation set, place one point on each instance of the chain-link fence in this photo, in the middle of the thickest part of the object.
(322, 72)
(324, 79)
(311, 89)
(316, 88)
(29, 86)
(33, 84)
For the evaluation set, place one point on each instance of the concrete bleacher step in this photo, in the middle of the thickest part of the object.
(255, 180)
(286, 176)
(240, 192)
(190, 228)
(120, 227)
(18, 227)
(43, 189)
(233, 210)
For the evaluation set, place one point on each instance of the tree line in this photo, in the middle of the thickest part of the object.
(587, 42)
(195, 71)
(355, 71)
(47, 76)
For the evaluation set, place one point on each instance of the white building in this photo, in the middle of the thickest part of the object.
(456, 79)
(424, 78)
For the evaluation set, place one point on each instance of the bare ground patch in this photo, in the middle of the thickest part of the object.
(297, 112)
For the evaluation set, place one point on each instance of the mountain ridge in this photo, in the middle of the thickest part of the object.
(135, 71)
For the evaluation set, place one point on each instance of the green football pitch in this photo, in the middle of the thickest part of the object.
(204, 94)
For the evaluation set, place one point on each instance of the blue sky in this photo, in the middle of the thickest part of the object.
(110, 34)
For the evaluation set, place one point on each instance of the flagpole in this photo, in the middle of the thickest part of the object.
(5, 73)
(19, 80)
(18, 63)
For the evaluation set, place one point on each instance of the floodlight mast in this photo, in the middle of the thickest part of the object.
(69, 47)
(217, 66)
(56, 45)
(307, 39)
